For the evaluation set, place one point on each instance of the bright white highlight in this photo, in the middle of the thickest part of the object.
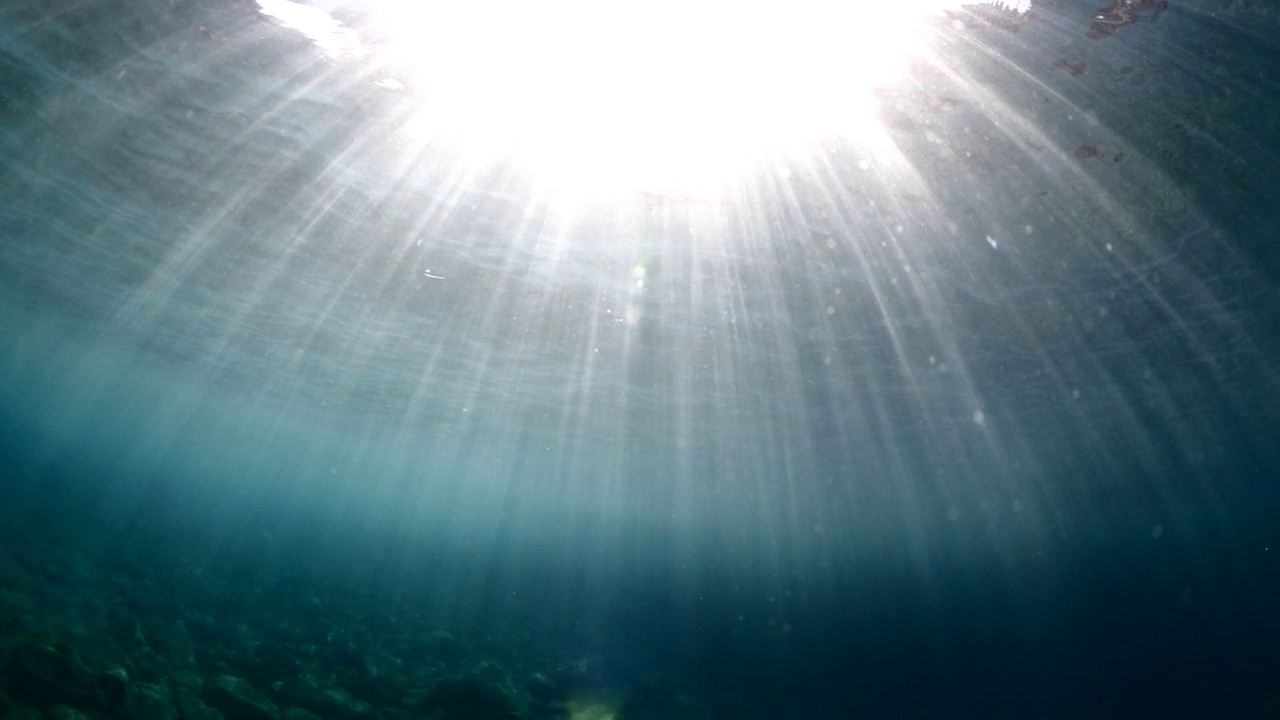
(321, 28)
(663, 96)
(598, 98)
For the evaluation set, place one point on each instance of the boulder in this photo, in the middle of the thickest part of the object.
(172, 642)
(152, 702)
(186, 679)
(237, 699)
(191, 707)
(62, 712)
(267, 663)
(115, 684)
(543, 689)
(468, 698)
(45, 675)
(445, 648)
(335, 703)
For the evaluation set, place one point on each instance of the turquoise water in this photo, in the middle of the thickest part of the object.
(311, 406)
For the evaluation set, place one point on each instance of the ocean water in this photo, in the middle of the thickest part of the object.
(456, 365)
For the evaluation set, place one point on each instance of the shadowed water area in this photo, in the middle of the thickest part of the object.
(318, 401)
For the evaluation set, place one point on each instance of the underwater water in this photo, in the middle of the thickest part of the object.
(684, 363)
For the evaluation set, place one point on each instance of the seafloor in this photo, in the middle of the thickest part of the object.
(96, 627)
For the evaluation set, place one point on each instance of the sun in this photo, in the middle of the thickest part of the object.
(661, 96)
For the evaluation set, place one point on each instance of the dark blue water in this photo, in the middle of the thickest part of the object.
(308, 410)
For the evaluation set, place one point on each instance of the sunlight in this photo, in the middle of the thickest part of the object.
(666, 97)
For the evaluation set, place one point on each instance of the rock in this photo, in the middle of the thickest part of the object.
(115, 683)
(446, 648)
(62, 712)
(468, 698)
(172, 642)
(148, 666)
(267, 663)
(14, 603)
(43, 675)
(491, 672)
(380, 690)
(152, 702)
(237, 699)
(188, 680)
(339, 704)
(543, 689)
(299, 714)
(191, 707)
(335, 703)
(16, 575)
(68, 566)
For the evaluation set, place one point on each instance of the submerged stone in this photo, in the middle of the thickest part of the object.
(542, 688)
(45, 675)
(115, 683)
(186, 679)
(62, 712)
(237, 699)
(468, 699)
(172, 642)
(191, 707)
(153, 702)
(306, 692)
(445, 648)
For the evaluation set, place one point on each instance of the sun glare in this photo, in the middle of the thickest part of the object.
(600, 100)
(676, 97)
(596, 100)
